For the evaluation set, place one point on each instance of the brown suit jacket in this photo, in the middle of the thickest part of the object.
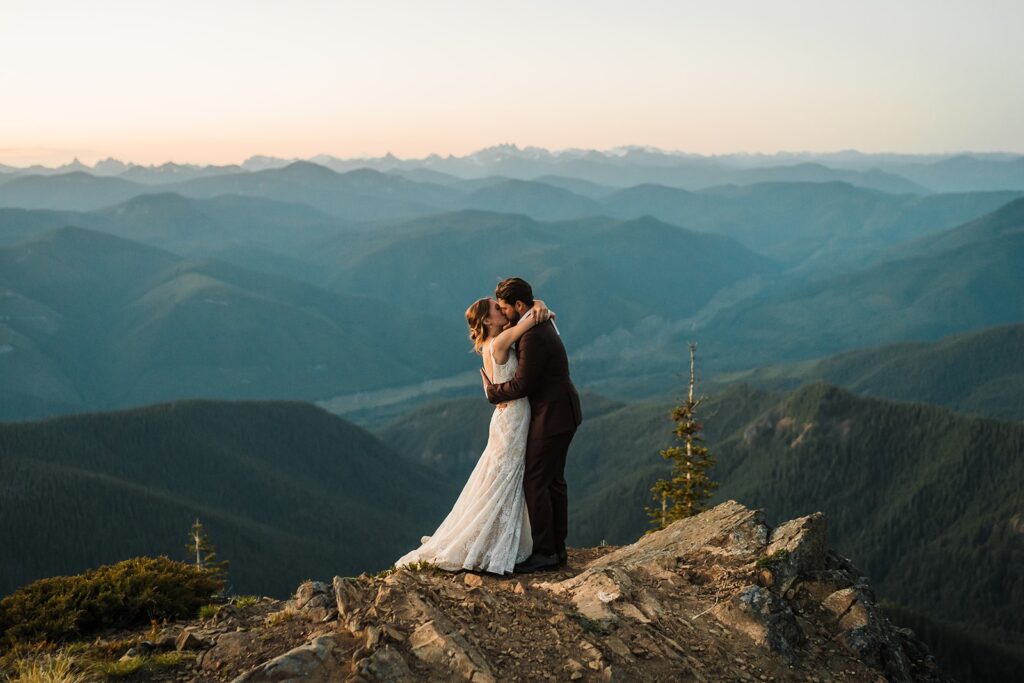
(543, 378)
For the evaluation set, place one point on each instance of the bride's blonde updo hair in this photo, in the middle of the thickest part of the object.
(476, 315)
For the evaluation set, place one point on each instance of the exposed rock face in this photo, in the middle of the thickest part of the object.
(230, 647)
(319, 661)
(795, 549)
(764, 617)
(720, 596)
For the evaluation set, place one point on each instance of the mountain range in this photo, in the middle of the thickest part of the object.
(630, 291)
(976, 282)
(805, 225)
(904, 294)
(604, 273)
(634, 165)
(92, 321)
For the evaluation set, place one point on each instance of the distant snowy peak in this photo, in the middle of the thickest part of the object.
(263, 163)
(75, 165)
(505, 151)
(110, 166)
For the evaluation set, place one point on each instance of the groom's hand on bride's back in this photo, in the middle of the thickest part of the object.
(489, 389)
(487, 383)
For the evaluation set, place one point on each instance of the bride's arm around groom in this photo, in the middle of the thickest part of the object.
(542, 376)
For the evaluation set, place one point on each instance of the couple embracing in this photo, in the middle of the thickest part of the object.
(512, 514)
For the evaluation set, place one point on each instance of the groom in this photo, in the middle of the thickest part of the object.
(542, 377)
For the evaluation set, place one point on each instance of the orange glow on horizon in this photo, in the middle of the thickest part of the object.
(220, 82)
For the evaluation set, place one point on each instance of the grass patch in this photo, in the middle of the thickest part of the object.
(107, 650)
(385, 572)
(48, 668)
(243, 601)
(281, 617)
(123, 668)
(209, 611)
(424, 566)
(80, 661)
(168, 660)
(119, 668)
(421, 566)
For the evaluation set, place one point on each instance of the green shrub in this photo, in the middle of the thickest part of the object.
(121, 595)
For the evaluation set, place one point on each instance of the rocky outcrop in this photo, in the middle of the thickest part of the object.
(720, 596)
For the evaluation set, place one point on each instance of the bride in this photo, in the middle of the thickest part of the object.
(488, 529)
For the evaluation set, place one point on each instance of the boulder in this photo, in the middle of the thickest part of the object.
(348, 596)
(385, 665)
(318, 661)
(593, 591)
(762, 616)
(437, 642)
(729, 532)
(188, 639)
(166, 641)
(229, 647)
(315, 599)
(840, 601)
(308, 590)
(796, 548)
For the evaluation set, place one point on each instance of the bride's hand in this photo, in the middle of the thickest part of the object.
(541, 312)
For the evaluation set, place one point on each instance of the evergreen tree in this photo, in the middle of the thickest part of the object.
(685, 493)
(200, 547)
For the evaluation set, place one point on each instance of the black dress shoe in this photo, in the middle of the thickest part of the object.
(536, 563)
(563, 558)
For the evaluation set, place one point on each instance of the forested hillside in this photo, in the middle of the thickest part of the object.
(285, 490)
(979, 373)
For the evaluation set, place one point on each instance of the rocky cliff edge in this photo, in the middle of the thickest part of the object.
(719, 596)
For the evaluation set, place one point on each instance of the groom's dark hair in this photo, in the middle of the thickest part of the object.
(514, 289)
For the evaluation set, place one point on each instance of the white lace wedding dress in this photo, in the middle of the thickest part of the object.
(488, 529)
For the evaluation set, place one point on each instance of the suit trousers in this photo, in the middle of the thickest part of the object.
(546, 495)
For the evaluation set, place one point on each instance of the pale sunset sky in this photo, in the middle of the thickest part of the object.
(218, 81)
